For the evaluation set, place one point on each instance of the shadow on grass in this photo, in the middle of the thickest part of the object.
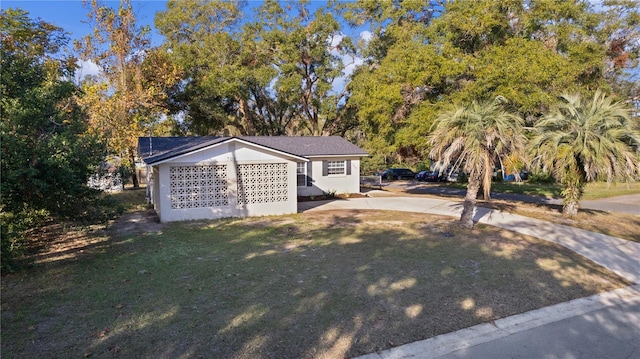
(437, 190)
(331, 284)
(617, 254)
(622, 225)
(57, 245)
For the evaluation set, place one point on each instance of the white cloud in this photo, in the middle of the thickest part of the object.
(366, 36)
(334, 43)
(350, 63)
(86, 68)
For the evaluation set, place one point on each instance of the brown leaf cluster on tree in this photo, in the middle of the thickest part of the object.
(128, 96)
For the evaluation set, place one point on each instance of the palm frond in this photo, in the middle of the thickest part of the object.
(476, 135)
(587, 140)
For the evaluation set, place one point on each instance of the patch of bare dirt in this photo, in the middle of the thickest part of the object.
(139, 222)
(57, 242)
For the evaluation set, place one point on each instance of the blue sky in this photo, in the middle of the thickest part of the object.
(70, 14)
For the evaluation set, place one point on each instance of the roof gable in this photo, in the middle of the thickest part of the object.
(157, 149)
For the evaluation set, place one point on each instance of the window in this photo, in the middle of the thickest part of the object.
(336, 167)
(301, 174)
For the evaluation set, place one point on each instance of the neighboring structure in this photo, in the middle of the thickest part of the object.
(107, 178)
(107, 182)
(214, 177)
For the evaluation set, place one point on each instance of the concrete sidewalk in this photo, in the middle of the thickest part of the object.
(617, 311)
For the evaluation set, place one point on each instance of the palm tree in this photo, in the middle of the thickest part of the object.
(474, 137)
(582, 141)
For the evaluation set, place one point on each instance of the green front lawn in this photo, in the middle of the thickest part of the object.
(595, 190)
(533, 189)
(333, 284)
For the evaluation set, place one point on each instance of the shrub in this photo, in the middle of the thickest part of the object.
(541, 177)
(13, 234)
(329, 194)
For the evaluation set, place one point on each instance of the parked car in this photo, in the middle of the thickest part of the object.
(429, 176)
(398, 173)
(420, 176)
(435, 176)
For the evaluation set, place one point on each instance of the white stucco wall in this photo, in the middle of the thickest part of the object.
(155, 190)
(231, 155)
(338, 183)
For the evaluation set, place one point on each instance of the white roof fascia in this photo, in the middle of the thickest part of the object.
(335, 156)
(280, 153)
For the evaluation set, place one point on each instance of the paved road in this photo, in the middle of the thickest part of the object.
(606, 325)
(609, 332)
(623, 204)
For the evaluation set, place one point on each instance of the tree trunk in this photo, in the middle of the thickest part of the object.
(248, 127)
(572, 193)
(570, 208)
(134, 173)
(466, 219)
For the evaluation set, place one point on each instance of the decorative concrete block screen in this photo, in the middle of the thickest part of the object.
(262, 183)
(198, 186)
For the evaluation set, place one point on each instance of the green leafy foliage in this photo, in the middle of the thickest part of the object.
(270, 75)
(273, 74)
(426, 54)
(47, 155)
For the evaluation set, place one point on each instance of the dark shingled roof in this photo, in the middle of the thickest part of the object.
(308, 146)
(156, 149)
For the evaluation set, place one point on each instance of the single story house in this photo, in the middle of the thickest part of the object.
(214, 177)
